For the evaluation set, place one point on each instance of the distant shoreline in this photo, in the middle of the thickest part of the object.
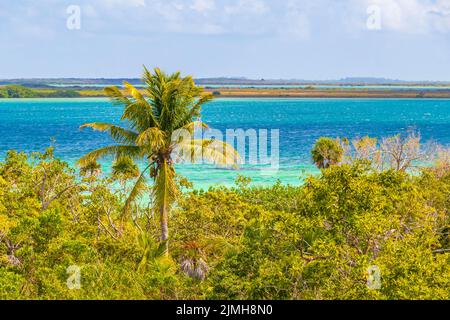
(226, 92)
(335, 93)
(17, 91)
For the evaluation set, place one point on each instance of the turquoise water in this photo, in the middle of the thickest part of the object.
(30, 124)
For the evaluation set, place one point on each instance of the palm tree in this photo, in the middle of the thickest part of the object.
(157, 124)
(123, 170)
(91, 169)
(327, 152)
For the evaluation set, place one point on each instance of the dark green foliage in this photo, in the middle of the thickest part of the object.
(61, 94)
(16, 91)
(316, 241)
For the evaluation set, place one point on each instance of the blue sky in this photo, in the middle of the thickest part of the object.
(303, 39)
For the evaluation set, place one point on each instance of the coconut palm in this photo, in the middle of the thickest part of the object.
(158, 121)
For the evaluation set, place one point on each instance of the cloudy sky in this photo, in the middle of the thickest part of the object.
(303, 39)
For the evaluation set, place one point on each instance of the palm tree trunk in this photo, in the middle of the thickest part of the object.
(164, 197)
(163, 212)
(165, 192)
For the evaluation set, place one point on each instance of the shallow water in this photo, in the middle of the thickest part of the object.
(30, 124)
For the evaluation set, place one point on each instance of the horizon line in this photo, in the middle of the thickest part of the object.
(361, 80)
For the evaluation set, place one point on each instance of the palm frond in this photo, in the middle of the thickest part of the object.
(187, 131)
(116, 96)
(222, 154)
(119, 134)
(135, 93)
(191, 126)
(153, 137)
(140, 114)
(138, 189)
(194, 112)
(115, 151)
(212, 150)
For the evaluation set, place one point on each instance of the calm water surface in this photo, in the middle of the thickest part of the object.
(29, 125)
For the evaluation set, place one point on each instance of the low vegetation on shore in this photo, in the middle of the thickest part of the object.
(64, 236)
(16, 91)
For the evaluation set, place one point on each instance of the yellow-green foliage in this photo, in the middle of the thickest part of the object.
(315, 241)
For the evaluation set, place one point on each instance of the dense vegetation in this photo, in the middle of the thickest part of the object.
(315, 241)
(16, 91)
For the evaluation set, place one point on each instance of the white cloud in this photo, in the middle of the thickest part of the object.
(211, 17)
(297, 24)
(197, 28)
(137, 3)
(287, 19)
(89, 11)
(171, 11)
(246, 7)
(203, 5)
(129, 3)
(442, 11)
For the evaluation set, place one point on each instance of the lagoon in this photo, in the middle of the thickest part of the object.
(30, 124)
